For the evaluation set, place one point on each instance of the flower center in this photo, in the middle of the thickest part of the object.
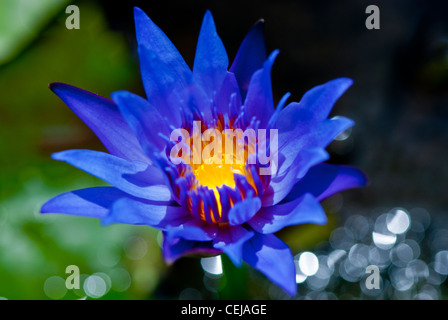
(217, 175)
(217, 171)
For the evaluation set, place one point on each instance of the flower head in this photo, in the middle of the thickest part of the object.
(168, 166)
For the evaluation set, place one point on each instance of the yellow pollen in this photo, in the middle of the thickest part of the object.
(220, 157)
(217, 175)
(214, 175)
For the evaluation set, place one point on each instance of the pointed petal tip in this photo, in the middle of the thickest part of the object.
(364, 179)
(272, 257)
(52, 85)
(347, 79)
(57, 155)
(55, 86)
(323, 222)
(271, 59)
(269, 62)
(139, 12)
(274, 54)
(344, 82)
(45, 208)
(61, 155)
(209, 16)
(64, 90)
(360, 178)
(258, 27)
(236, 262)
(116, 95)
(343, 123)
(292, 292)
(208, 20)
(289, 287)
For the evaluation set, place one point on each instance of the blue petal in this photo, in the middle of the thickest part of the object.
(250, 57)
(273, 258)
(329, 129)
(152, 37)
(193, 229)
(136, 178)
(165, 88)
(211, 61)
(243, 211)
(290, 172)
(231, 240)
(315, 104)
(141, 212)
(299, 146)
(144, 119)
(104, 118)
(174, 249)
(164, 72)
(259, 101)
(90, 202)
(299, 119)
(305, 209)
(309, 133)
(273, 120)
(229, 89)
(197, 100)
(322, 98)
(325, 180)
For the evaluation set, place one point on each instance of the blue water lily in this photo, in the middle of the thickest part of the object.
(204, 208)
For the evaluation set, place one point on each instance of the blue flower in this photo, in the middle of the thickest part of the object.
(208, 208)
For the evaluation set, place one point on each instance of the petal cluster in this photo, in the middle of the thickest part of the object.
(202, 209)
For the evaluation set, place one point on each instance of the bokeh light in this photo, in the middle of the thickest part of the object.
(212, 265)
(404, 245)
(54, 287)
(95, 286)
(308, 263)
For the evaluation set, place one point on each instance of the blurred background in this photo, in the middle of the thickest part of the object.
(399, 102)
